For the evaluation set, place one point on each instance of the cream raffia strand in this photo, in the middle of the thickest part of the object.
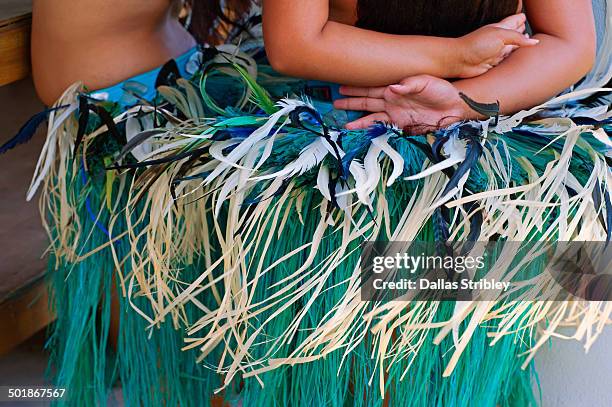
(185, 210)
(515, 212)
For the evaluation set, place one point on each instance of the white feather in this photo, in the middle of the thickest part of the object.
(309, 158)
(359, 175)
(602, 136)
(286, 105)
(398, 160)
(47, 156)
(454, 149)
(133, 127)
(323, 182)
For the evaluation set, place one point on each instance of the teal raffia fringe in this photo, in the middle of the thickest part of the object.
(151, 369)
(230, 233)
(145, 363)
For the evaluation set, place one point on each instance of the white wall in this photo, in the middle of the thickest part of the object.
(571, 378)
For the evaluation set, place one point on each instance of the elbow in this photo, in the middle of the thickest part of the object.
(293, 52)
(589, 56)
(585, 54)
(281, 60)
(293, 55)
(284, 61)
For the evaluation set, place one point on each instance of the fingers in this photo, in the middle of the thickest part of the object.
(365, 104)
(411, 86)
(508, 49)
(368, 121)
(506, 52)
(516, 23)
(362, 91)
(514, 38)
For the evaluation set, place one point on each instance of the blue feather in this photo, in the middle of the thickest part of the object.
(88, 208)
(581, 121)
(441, 227)
(597, 201)
(28, 130)
(474, 152)
(437, 148)
(475, 229)
(376, 130)
(233, 132)
(373, 132)
(348, 159)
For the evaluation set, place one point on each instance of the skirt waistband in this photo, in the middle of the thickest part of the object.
(142, 86)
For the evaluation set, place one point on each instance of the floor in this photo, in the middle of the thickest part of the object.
(12, 8)
(26, 366)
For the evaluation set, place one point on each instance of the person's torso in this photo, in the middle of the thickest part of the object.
(101, 42)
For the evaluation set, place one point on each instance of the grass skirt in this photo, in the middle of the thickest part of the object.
(233, 229)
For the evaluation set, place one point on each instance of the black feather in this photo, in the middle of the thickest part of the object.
(168, 74)
(194, 153)
(485, 109)
(109, 122)
(475, 227)
(28, 130)
(136, 141)
(331, 185)
(608, 216)
(83, 122)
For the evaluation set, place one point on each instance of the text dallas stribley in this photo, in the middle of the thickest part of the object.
(408, 263)
(440, 284)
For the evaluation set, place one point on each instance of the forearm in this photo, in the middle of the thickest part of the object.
(303, 41)
(345, 54)
(531, 76)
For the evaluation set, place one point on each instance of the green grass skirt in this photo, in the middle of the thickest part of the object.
(162, 229)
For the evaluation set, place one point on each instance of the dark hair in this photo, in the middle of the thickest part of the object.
(440, 18)
(207, 16)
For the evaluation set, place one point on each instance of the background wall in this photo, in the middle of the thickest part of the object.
(569, 378)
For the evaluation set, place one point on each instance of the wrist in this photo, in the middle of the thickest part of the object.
(449, 61)
(462, 108)
(460, 62)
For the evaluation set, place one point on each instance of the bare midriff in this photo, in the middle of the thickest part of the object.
(101, 42)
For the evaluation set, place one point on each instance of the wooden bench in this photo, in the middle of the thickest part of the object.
(15, 27)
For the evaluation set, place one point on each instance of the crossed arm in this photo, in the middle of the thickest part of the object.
(363, 59)
(528, 77)
(302, 40)
(531, 76)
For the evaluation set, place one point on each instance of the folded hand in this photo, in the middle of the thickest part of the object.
(417, 104)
